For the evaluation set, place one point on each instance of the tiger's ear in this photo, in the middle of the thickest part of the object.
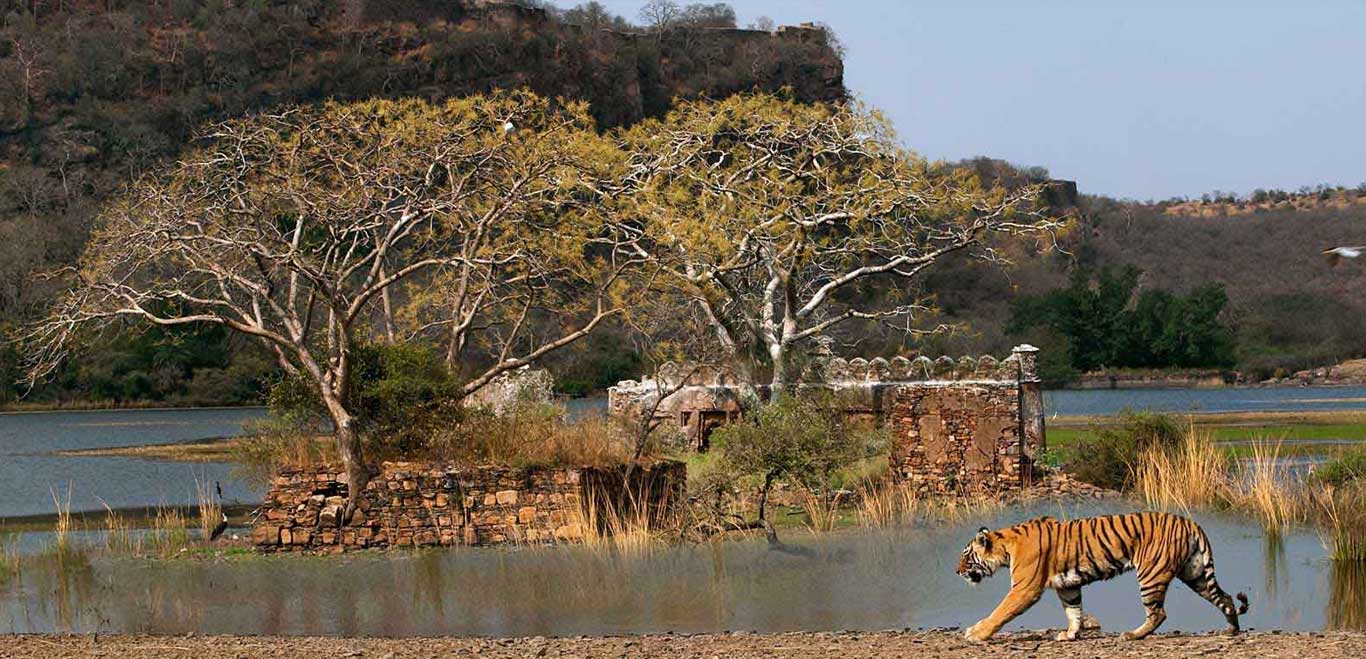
(984, 537)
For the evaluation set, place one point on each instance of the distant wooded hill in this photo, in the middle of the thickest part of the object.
(1288, 308)
(93, 94)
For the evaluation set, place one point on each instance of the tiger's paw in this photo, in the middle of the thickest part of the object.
(977, 633)
(1089, 622)
(1065, 635)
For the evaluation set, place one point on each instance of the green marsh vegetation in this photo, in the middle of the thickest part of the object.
(1178, 466)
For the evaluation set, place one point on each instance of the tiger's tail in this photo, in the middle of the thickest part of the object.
(1204, 583)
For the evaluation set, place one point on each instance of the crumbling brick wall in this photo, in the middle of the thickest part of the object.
(419, 505)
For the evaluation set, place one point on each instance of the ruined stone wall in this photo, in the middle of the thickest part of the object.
(954, 438)
(423, 505)
(961, 426)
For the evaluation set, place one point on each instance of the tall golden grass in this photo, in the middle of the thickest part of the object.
(891, 503)
(1341, 515)
(532, 434)
(210, 509)
(61, 530)
(625, 530)
(822, 509)
(1264, 489)
(169, 532)
(884, 503)
(118, 533)
(9, 556)
(1186, 477)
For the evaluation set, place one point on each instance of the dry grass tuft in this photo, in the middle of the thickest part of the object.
(532, 434)
(822, 510)
(210, 509)
(885, 503)
(169, 532)
(62, 529)
(118, 533)
(9, 556)
(1341, 515)
(1188, 476)
(608, 529)
(1266, 490)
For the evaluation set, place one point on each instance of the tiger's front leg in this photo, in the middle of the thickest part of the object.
(1017, 601)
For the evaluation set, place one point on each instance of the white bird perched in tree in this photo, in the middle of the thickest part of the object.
(508, 127)
(1338, 253)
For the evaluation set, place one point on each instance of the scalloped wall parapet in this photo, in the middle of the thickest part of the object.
(1020, 366)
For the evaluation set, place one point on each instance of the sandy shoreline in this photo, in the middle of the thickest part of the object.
(842, 645)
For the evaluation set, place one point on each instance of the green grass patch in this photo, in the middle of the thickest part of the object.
(1289, 433)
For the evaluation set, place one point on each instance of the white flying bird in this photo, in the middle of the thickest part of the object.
(1338, 253)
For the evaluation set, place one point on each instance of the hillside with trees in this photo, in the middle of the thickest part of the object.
(95, 94)
(1288, 307)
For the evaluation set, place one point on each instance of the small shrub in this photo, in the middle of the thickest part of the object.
(530, 434)
(1108, 456)
(804, 439)
(401, 395)
(1346, 468)
(272, 443)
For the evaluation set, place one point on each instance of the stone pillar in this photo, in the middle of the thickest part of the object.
(1032, 431)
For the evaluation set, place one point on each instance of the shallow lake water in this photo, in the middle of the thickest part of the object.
(869, 579)
(1104, 402)
(30, 469)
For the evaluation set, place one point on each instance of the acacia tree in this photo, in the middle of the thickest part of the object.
(289, 227)
(775, 219)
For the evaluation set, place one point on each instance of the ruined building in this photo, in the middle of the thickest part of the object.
(961, 426)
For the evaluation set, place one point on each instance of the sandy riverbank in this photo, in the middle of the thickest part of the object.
(848, 645)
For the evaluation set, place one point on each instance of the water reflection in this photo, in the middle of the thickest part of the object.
(857, 580)
(1347, 596)
(1273, 564)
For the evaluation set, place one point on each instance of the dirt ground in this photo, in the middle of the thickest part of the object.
(847, 645)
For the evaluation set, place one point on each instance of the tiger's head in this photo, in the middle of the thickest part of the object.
(982, 556)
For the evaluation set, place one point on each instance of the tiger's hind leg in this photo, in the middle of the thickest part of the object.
(1207, 587)
(1154, 592)
(1071, 606)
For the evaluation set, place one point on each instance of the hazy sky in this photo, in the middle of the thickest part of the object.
(1138, 99)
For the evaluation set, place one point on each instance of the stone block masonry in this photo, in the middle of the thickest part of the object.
(411, 504)
(975, 430)
(965, 426)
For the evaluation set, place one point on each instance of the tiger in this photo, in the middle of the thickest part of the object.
(1045, 553)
